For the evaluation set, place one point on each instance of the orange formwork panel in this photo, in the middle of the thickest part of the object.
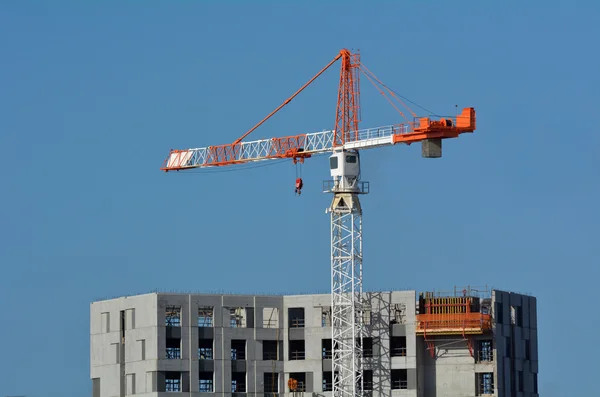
(452, 324)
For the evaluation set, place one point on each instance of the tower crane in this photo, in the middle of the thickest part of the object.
(344, 143)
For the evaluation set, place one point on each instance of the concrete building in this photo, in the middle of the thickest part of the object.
(461, 344)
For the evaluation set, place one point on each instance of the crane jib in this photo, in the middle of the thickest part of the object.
(305, 145)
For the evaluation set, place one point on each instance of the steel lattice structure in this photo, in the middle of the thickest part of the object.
(346, 295)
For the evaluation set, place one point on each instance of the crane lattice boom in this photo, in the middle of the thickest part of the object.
(305, 145)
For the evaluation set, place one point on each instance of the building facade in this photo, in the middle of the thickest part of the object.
(459, 344)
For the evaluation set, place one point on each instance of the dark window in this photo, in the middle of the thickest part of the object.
(350, 158)
(398, 346)
(368, 379)
(173, 348)
(327, 381)
(271, 382)
(527, 350)
(485, 383)
(205, 382)
(238, 349)
(326, 348)
(238, 382)
(485, 353)
(172, 381)
(300, 378)
(333, 162)
(399, 379)
(205, 349)
(270, 350)
(297, 350)
(296, 317)
(367, 348)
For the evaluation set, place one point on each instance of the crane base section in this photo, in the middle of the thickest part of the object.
(431, 148)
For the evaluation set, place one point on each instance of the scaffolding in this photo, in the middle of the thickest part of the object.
(464, 312)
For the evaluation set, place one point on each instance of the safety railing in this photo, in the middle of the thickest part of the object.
(173, 353)
(297, 355)
(238, 354)
(484, 356)
(238, 386)
(398, 351)
(330, 186)
(399, 384)
(205, 354)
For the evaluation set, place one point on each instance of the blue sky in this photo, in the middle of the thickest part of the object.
(94, 95)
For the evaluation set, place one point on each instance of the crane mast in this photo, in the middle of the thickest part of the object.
(344, 142)
(347, 323)
(346, 273)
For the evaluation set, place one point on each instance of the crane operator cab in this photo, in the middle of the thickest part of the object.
(345, 170)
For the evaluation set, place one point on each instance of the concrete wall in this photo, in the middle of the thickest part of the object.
(120, 367)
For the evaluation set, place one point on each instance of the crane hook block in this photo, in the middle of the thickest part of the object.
(299, 185)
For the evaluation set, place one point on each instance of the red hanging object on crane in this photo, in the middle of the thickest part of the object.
(299, 185)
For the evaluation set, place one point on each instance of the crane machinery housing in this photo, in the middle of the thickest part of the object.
(344, 142)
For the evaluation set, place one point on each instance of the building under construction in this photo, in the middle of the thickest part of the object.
(467, 342)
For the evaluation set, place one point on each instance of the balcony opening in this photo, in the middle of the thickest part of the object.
(270, 350)
(297, 349)
(205, 382)
(485, 383)
(368, 379)
(173, 316)
(173, 348)
(296, 317)
(270, 317)
(238, 382)
(238, 349)
(205, 317)
(326, 349)
(205, 349)
(298, 382)
(399, 379)
(398, 346)
(271, 382)
(172, 381)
